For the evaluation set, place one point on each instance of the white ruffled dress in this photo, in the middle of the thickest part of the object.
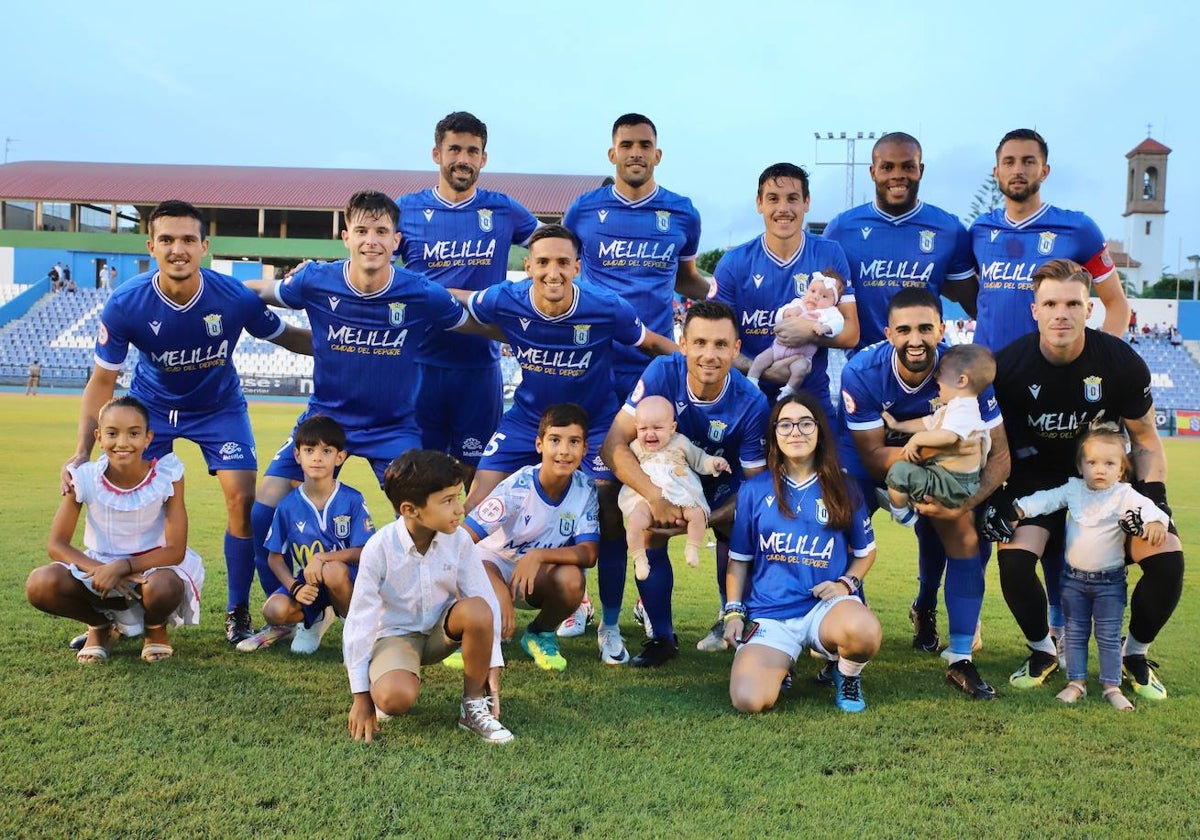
(121, 523)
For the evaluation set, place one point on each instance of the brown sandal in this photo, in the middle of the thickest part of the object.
(1117, 700)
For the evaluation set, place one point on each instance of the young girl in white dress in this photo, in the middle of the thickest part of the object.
(135, 572)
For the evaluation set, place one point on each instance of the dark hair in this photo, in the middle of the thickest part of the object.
(1065, 270)
(974, 361)
(418, 474)
(631, 119)
(709, 310)
(125, 401)
(460, 122)
(913, 296)
(555, 231)
(320, 429)
(1109, 433)
(896, 138)
(175, 209)
(563, 414)
(835, 492)
(1025, 134)
(373, 204)
(784, 170)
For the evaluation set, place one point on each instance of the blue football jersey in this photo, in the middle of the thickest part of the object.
(299, 530)
(1009, 253)
(791, 556)
(185, 359)
(362, 361)
(634, 248)
(924, 248)
(565, 358)
(755, 283)
(871, 385)
(731, 426)
(460, 245)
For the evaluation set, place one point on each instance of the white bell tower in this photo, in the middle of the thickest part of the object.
(1145, 209)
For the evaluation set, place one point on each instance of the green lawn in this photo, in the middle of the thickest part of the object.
(218, 744)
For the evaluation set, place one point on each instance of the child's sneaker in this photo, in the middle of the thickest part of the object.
(308, 639)
(576, 623)
(475, 715)
(543, 649)
(266, 637)
(612, 645)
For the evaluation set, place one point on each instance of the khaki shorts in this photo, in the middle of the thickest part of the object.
(412, 650)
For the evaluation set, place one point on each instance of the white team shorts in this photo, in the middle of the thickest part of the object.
(793, 635)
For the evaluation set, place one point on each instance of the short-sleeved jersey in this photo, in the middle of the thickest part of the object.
(634, 249)
(363, 374)
(1009, 253)
(518, 516)
(791, 556)
(565, 358)
(923, 248)
(755, 283)
(871, 385)
(1047, 407)
(299, 530)
(731, 426)
(185, 359)
(461, 245)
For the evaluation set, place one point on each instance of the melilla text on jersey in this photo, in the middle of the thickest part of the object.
(346, 339)
(806, 549)
(887, 272)
(1061, 424)
(191, 358)
(554, 362)
(1001, 274)
(453, 253)
(631, 252)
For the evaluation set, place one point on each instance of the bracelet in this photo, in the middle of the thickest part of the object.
(296, 586)
(129, 563)
(852, 583)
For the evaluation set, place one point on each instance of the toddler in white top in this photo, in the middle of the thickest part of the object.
(819, 304)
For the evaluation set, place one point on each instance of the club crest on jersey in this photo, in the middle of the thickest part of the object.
(1046, 242)
(801, 281)
(662, 220)
(1091, 388)
(926, 241)
(341, 527)
(395, 314)
(212, 324)
(822, 512)
(485, 220)
(566, 525)
(716, 430)
(581, 333)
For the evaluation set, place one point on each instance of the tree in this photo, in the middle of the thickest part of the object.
(707, 261)
(988, 197)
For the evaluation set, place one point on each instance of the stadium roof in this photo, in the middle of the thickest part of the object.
(1149, 145)
(290, 188)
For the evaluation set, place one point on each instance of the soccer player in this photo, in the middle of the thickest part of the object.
(760, 276)
(365, 314)
(1010, 243)
(458, 235)
(538, 530)
(897, 376)
(1051, 385)
(185, 322)
(719, 411)
(898, 241)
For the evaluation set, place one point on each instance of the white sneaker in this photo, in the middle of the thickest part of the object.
(476, 716)
(715, 640)
(308, 639)
(639, 615)
(612, 645)
(266, 637)
(576, 623)
(1059, 636)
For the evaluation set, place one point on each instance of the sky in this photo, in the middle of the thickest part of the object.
(732, 87)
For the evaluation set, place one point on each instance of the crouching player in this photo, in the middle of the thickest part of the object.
(538, 530)
(421, 594)
(322, 525)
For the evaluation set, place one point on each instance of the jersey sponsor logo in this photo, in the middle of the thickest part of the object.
(638, 390)
(396, 314)
(758, 278)
(333, 303)
(626, 249)
(485, 221)
(340, 338)
(452, 250)
(155, 326)
(341, 526)
(598, 464)
(1034, 390)
(1091, 388)
(800, 281)
(603, 214)
(490, 511)
(926, 241)
(212, 324)
(428, 214)
(230, 451)
(1003, 271)
(866, 232)
(814, 550)
(102, 334)
(538, 357)
(581, 333)
(472, 446)
(566, 524)
(1046, 242)
(822, 512)
(848, 401)
(525, 322)
(662, 220)
(716, 430)
(994, 234)
(198, 356)
(916, 271)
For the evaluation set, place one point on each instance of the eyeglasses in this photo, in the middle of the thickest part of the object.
(806, 426)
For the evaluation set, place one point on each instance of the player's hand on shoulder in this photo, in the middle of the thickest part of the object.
(296, 269)
(68, 483)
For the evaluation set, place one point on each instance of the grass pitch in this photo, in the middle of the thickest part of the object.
(214, 743)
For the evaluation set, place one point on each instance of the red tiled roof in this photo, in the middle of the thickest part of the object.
(271, 187)
(1149, 145)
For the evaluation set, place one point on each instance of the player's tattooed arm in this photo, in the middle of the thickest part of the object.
(1146, 449)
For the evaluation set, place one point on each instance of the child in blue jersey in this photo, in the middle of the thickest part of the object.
(322, 526)
(801, 544)
(819, 304)
(135, 571)
(538, 530)
(947, 449)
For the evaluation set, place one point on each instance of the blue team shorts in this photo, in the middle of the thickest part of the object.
(314, 611)
(458, 410)
(514, 446)
(379, 445)
(224, 436)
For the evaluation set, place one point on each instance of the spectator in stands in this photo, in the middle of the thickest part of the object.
(1175, 337)
(35, 376)
(55, 277)
(102, 277)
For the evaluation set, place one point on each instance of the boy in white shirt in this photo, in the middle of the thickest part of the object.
(421, 594)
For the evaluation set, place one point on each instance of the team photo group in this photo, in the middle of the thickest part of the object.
(654, 401)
